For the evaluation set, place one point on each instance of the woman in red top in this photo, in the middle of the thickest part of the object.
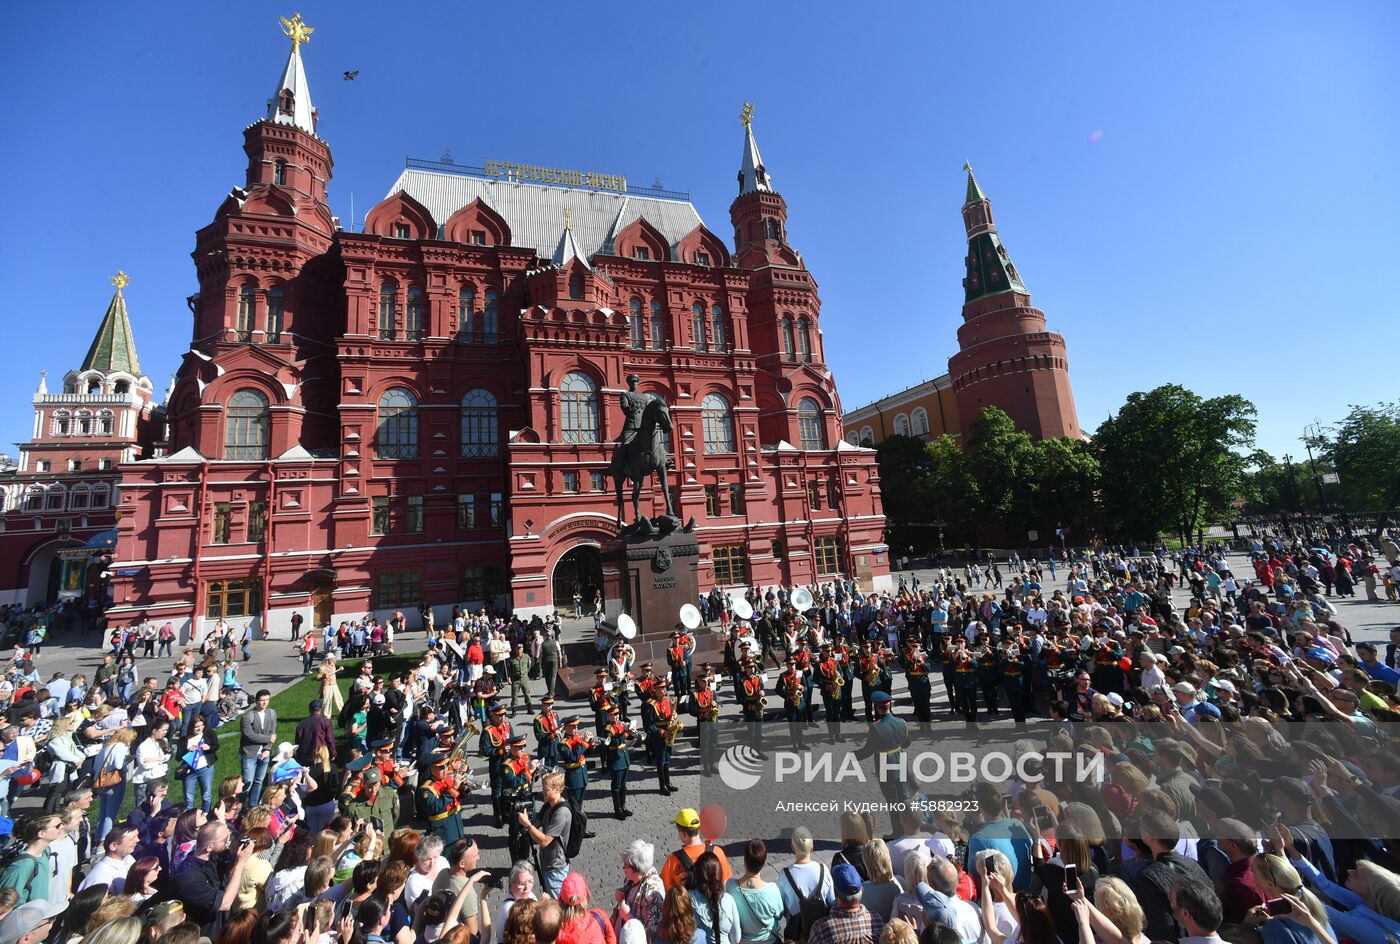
(581, 923)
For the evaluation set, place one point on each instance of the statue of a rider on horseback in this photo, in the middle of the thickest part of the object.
(640, 451)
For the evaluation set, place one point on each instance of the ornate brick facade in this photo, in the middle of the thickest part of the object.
(423, 410)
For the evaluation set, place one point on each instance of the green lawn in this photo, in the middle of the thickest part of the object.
(291, 709)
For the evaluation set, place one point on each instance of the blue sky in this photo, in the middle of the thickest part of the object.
(1194, 193)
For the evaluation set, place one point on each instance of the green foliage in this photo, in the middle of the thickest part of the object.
(1272, 487)
(1171, 461)
(1002, 461)
(904, 463)
(1066, 481)
(1364, 449)
(949, 493)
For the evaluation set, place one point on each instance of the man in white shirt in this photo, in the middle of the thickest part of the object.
(804, 877)
(111, 869)
(1197, 908)
(1151, 665)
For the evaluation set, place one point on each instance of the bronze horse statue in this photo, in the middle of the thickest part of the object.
(637, 458)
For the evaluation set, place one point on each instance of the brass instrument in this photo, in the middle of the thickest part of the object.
(673, 731)
(794, 688)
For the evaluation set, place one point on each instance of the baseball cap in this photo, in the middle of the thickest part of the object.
(687, 818)
(574, 890)
(1321, 654)
(846, 880)
(315, 704)
(23, 920)
(1184, 688)
(1115, 699)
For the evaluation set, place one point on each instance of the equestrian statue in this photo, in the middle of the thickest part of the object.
(641, 451)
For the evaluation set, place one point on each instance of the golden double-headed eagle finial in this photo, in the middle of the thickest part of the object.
(297, 30)
(120, 280)
(746, 116)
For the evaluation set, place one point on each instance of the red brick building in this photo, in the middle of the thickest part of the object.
(424, 410)
(57, 508)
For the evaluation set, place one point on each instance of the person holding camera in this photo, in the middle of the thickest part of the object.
(550, 832)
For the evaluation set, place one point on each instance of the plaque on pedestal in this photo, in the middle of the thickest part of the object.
(649, 577)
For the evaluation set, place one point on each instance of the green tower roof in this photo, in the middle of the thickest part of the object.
(114, 348)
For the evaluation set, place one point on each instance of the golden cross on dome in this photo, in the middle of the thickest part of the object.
(297, 29)
(120, 280)
(746, 116)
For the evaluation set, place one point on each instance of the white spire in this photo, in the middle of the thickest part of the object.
(568, 248)
(291, 100)
(43, 383)
(752, 174)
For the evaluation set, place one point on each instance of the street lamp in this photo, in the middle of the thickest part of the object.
(1311, 431)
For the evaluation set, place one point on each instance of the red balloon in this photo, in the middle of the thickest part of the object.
(1125, 664)
(713, 822)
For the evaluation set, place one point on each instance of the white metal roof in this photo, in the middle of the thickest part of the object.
(535, 211)
(294, 80)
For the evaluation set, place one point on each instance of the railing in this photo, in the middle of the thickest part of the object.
(467, 170)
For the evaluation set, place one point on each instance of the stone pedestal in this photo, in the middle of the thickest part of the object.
(650, 578)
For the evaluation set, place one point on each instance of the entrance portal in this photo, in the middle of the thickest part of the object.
(322, 605)
(579, 571)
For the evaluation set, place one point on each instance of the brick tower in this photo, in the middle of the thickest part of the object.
(1006, 358)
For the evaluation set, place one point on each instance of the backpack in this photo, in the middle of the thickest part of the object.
(11, 858)
(578, 825)
(810, 908)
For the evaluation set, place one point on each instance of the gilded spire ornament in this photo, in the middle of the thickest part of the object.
(746, 116)
(567, 214)
(297, 30)
(121, 280)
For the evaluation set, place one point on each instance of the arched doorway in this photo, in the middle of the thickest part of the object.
(46, 571)
(581, 570)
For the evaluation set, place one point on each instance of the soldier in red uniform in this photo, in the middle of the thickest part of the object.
(706, 711)
(495, 745)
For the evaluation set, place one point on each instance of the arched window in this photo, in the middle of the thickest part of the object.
(578, 408)
(576, 287)
(105, 421)
(62, 423)
(867, 436)
(901, 425)
(34, 499)
(413, 315)
(658, 327)
(789, 345)
(634, 321)
(773, 231)
(274, 315)
(851, 437)
(246, 303)
(79, 497)
(99, 497)
(717, 328)
(84, 425)
(398, 425)
(918, 422)
(479, 428)
(279, 172)
(810, 426)
(488, 318)
(120, 387)
(388, 301)
(804, 338)
(697, 319)
(246, 426)
(718, 423)
(466, 313)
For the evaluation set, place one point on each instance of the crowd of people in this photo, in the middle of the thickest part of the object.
(1252, 788)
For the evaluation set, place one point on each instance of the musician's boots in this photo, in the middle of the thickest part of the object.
(617, 805)
(623, 801)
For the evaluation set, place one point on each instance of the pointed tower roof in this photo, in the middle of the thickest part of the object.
(752, 174)
(114, 348)
(291, 100)
(568, 248)
(974, 189)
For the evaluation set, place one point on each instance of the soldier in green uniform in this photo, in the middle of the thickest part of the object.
(916, 671)
(1014, 657)
(598, 698)
(355, 773)
(965, 679)
(950, 673)
(618, 760)
(495, 745)
(517, 782)
(437, 799)
(888, 737)
(375, 799)
(573, 751)
(988, 673)
(846, 659)
(547, 733)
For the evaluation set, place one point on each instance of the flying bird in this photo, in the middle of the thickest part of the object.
(350, 76)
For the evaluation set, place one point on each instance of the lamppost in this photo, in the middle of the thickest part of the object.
(1311, 431)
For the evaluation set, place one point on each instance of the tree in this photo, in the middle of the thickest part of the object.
(1364, 449)
(948, 492)
(1171, 461)
(1273, 487)
(1066, 476)
(1002, 461)
(904, 462)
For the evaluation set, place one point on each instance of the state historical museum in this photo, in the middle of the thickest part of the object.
(423, 411)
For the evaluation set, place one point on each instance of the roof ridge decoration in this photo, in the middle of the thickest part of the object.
(753, 176)
(291, 104)
(114, 346)
(974, 189)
